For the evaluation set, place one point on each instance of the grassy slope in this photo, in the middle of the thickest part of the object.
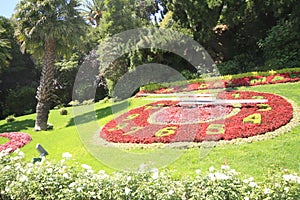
(252, 159)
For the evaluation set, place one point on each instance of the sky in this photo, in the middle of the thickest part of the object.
(7, 7)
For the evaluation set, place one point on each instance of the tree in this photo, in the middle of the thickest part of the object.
(47, 29)
(93, 11)
(5, 45)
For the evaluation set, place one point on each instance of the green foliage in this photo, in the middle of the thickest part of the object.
(57, 180)
(21, 99)
(63, 111)
(281, 47)
(199, 21)
(5, 46)
(38, 21)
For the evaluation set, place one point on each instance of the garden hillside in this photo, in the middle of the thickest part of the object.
(253, 158)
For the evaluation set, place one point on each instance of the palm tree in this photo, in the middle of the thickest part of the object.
(47, 29)
(93, 11)
(5, 46)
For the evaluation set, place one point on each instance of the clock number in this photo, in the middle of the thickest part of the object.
(170, 130)
(215, 129)
(133, 130)
(118, 127)
(264, 107)
(132, 116)
(254, 119)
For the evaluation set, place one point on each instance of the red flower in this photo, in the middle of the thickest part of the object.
(166, 121)
(16, 140)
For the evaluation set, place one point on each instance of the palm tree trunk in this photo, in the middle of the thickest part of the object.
(45, 89)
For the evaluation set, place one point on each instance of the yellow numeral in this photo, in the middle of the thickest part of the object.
(166, 131)
(215, 129)
(119, 127)
(254, 119)
(132, 116)
(133, 130)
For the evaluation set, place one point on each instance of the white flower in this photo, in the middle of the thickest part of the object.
(198, 171)
(49, 170)
(155, 174)
(251, 179)
(246, 181)
(72, 184)
(221, 176)
(101, 172)
(7, 167)
(286, 189)
(23, 178)
(290, 177)
(143, 167)
(225, 167)
(252, 184)
(277, 185)
(129, 178)
(85, 166)
(211, 169)
(233, 172)
(21, 154)
(170, 192)
(127, 190)
(246, 198)
(65, 175)
(67, 156)
(267, 191)
(211, 176)
(79, 189)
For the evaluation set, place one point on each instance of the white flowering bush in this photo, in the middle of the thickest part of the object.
(46, 180)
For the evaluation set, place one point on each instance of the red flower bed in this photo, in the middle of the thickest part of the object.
(166, 121)
(16, 140)
(246, 81)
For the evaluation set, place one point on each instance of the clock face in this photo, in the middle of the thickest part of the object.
(169, 121)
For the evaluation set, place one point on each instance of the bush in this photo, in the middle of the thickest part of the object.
(63, 111)
(10, 119)
(21, 100)
(46, 180)
(281, 47)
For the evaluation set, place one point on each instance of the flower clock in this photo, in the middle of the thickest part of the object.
(167, 121)
(16, 141)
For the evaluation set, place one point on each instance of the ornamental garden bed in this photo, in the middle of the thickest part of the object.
(15, 141)
(167, 121)
(221, 82)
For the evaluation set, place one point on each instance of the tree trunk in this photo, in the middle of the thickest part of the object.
(45, 89)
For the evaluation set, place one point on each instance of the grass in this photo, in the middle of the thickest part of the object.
(3, 140)
(253, 159)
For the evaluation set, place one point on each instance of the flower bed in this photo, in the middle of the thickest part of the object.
(167, 121)
(48, 180)
(230, 82)
(16, 141)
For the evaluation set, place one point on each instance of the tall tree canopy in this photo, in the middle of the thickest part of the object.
(47, 29)
(5, 44)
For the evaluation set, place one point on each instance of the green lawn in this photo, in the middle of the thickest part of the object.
(253, 159)
(3, 140)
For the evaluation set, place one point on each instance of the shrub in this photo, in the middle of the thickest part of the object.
(46, 180)
(21, 100)
(10, 119)
(63, 112)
